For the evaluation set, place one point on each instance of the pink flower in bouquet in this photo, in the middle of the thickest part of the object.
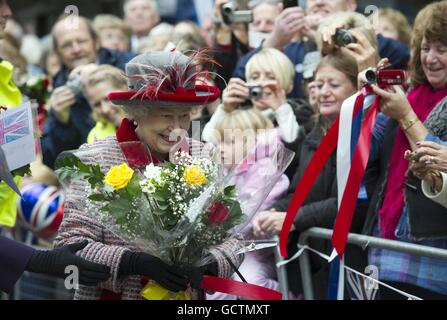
(218, 212)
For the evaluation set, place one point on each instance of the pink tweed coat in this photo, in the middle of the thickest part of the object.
(104, 246)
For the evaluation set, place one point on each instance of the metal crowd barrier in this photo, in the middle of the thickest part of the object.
(356, 239)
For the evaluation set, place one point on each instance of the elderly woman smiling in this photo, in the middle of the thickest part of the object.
(158, 108)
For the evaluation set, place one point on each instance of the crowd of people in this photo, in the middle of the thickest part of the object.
(285, 71)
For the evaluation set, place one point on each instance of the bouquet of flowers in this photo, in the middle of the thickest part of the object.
(36, 87)
(177, 211)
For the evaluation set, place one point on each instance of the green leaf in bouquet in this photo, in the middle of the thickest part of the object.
(70, 161)
(163, 206)
(120, 204)
(230, 192)
(70, 174)
(158, 196)
(133, 188)
(72, 167)
(98, 197)
(236, 216)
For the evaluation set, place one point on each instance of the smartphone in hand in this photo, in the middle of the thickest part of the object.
(289, 3)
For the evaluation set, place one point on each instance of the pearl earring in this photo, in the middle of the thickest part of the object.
(135, 123)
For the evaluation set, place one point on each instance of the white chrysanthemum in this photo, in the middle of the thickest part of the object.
(148, 188)
(153, 172)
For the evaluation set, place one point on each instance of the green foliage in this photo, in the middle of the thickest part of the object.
(72, 168)
(230, 192)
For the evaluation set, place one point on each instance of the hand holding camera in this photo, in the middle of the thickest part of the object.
(352, 42)
(272, 96)
(289, 22)
(60, 102)
(394, 103)
(235, 94)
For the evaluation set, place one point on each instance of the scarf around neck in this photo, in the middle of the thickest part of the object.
(136, 153)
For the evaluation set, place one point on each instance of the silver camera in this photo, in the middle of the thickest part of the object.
(254, 91)
(75, 85)
(231, 14)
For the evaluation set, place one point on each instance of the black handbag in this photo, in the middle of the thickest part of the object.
(428, 219)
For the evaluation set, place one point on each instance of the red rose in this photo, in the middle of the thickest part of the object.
(218, 212)
(46, 83)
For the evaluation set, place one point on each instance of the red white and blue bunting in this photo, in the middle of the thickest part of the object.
(351, 135)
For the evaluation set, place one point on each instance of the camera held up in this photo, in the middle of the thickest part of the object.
(231, 14)
(343, 37)
(386, 77)
(254, 91)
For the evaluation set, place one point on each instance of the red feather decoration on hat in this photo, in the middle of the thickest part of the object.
(174, 77)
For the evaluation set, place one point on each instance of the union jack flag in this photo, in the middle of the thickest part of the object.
(14, 126)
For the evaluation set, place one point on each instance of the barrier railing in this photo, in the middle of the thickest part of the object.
(356, 239)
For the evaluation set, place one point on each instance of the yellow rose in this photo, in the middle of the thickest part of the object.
(118, 177)
(194, 176)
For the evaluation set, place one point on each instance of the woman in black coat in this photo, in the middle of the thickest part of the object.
(336, 76)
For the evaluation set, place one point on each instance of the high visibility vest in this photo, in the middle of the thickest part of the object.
(101, 130)
(9, 93)
(9, 96)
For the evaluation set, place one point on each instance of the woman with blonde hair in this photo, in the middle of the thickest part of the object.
(270, 73)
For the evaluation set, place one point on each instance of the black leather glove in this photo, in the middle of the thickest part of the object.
(196, 274)
(54, 262)
(140, 263)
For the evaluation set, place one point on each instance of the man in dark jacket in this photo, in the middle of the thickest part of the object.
(69, 120)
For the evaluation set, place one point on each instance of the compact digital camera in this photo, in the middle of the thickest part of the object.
(343, 37)
(254, 91)
(386, 77)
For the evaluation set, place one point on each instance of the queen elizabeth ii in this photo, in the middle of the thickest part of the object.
(162, 92)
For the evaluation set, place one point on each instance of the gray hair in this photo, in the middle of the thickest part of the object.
(254, 3)
(136, 112)
(162, 29)
(152, 3)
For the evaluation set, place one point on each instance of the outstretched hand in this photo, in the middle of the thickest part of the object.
(54, 262)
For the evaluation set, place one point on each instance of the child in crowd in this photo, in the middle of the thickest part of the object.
(99, 83)
(249, 144)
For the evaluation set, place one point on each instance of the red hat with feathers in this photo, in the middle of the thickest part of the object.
(166, 79)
